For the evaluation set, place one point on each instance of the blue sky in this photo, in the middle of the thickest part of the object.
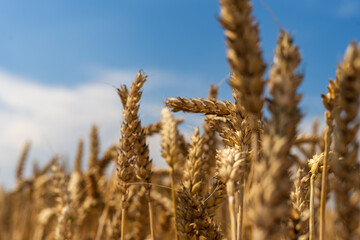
(67, 49)
(63, 42)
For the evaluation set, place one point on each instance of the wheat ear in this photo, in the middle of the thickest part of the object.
(316, 165)
(199, 105)
(299, 217)
(244, 56)
(231, 165)
(21, 162)
(189, 190)
(347, 169)
(130, 127)
(191, 187)
(78, 157)
(76, 181)
(94, 147)
(123, 93)
(193, 170)
(274, 165)
(65, 211)
(210, 141)
(143, 172)
(170, 151)
(329, 102)
(194, 215)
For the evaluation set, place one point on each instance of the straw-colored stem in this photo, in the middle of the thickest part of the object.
(102, 222)
(123, 215)
(232, 217)
(323, 183)
(311, 219)
(151, 216)
(254, 156)
(254, 139)
(240, 214)
(172, 177)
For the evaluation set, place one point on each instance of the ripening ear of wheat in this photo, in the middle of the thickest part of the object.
(346, 127)
(263, 180)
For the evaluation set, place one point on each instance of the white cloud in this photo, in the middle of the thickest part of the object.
(53, 118)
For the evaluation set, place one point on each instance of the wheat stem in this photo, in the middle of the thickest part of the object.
(311, 219)
(240, 214)
(254, 158)
(172, 177)
(232, 216)
(123, 214)
(151, 216)
(323, 183)
(102, 221)
(21, 162)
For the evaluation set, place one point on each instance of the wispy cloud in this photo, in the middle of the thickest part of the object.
(54, 117)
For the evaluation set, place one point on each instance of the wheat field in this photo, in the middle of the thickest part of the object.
(242, 176)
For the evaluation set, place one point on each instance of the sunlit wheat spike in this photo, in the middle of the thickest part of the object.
(244, 54)
(271, 172)
(346, 145)
(199, 105)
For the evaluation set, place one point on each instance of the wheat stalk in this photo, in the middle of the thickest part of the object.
(63, 228)
(329, 102)
(210, 142)
(346, 127)
(130, 129)
(21, 162)
(170, 150)
(299, 217)
(231, 166)
(273, 167)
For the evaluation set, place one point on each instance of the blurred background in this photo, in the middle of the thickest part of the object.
(60, 62)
